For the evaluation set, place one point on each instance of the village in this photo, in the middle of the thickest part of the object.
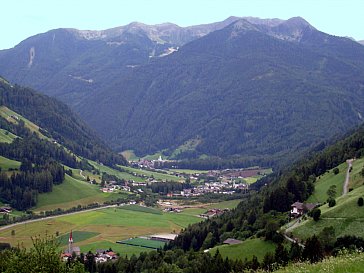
(227, 181)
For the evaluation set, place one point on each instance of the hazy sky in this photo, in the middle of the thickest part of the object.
(23, 18)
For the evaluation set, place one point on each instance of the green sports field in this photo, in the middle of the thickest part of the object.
(146, 243)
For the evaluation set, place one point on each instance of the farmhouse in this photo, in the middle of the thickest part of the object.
(231, 241)
(299, 208)
(5, 210)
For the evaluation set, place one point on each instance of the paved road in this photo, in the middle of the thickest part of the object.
(347, 178)
(55, 216)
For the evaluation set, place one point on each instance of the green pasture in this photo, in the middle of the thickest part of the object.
(346, 217)
(7, 164)
(106, 226)
(77, 236)
(156, 175)
(246, 249)
(130, 155)
(341, 264)
(186, 171)
(326, 180)
(122, 249)
(6, 136)
(9, 115)
(356, 179)
(71, 193)
(141, 209)
(120, 175)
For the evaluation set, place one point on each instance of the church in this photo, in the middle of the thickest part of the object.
(71, 248)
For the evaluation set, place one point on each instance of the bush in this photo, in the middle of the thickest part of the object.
(332, 202)
(360, 202)
(316, 213)
(336, 171)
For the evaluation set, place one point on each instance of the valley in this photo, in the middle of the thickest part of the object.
(234, 146)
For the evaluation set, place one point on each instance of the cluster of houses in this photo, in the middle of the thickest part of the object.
(172, 209)
(213, 212)
(210, 187)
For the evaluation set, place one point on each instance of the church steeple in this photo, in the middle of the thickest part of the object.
(70, 243)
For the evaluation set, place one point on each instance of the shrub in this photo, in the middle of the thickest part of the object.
(360, 202)
(332, 202)
(336, 171)
(316, 213)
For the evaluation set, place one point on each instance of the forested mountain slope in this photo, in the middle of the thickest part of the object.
(58, 122)
(243, 90)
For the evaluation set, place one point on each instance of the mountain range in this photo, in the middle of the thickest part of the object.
(245, 87)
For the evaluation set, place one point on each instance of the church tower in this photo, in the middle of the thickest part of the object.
(70, 243)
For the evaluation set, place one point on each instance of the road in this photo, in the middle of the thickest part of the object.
(293, 240)
(347, 178)
(52, 217)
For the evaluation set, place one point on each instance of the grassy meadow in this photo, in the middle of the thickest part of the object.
(346, 217)
(120, 175)
(326, 180)
(6, 136)
(71, 193)
(7, 164)
(341, 264)
(246, 249)
(129, 155)
(101, 228)
(9, 115)
(156, 175)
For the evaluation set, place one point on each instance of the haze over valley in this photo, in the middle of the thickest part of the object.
(224, 146)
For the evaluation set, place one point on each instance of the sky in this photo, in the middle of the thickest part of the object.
(21, 19)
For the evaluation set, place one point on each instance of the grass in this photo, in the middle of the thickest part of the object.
(6, 136)
(76, 173)
(144, 243)
(156, 175)
(9, 115)
(121, 175)
(326, 180)
(346, 217)
(230, 204)
(246, 249)
(77, 236)
(7, 164)
(123, 250)
(186, 171)
(356, 179)
(341, 264)
(71, 193)
(130, 155)
(112, 224)
(141, 209)
(189, 145)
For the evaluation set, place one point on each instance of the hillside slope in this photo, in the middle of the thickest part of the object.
(250, 88)
(58, 122)
(243, 90)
